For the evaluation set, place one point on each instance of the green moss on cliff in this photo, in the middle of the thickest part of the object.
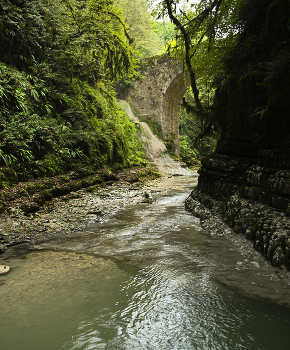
(57, 106)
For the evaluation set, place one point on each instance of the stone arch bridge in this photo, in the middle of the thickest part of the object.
(157, 93)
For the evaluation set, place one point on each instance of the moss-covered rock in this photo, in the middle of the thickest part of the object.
(108, 175)
(9, 175)
(30, 207)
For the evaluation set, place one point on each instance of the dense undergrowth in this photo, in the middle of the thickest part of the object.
(192, 148)
(58, 113)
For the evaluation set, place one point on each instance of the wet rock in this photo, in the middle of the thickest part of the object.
(70, 213)
(94, 212)
(197, 209)
(4, 269)
(148, 198)
(265, 226)
(278, 257)
(11, 210)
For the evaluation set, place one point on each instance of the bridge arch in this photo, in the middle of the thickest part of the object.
(171, 106)
(157, 94)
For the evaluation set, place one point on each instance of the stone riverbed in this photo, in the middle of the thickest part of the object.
(249, 274)
(73, 212)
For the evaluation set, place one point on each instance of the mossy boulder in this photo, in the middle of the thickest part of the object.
(29, 208)
(46, 195)
(108, 175)
(9, 175)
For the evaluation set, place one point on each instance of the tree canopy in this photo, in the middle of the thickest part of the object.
(90, 38)
(204, 32)
(141, 27)
(225, 42)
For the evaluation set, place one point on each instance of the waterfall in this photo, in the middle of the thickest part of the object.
(155, 150)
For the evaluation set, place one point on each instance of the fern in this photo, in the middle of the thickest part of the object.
(8, 159)
(26, 155)
(34, 94)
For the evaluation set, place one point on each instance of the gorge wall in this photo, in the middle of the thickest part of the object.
(247, 179)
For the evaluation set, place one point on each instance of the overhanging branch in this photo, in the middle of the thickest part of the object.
(187, 42)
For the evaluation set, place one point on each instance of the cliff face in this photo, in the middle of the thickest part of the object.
(249, 173)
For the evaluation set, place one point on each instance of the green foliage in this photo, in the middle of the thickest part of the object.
(205, 30)
(192, 150)
(58, 60)
(188, 155)
(142, 28)
(136, 155)
(214, 38)
(88, 38)
(165, 31)
(155, 127)
(148, 173)
(169, 141)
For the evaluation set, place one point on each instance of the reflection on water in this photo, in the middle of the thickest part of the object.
(49, 295)
(146, 279)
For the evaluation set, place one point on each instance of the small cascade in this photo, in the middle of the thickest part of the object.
(155, 150)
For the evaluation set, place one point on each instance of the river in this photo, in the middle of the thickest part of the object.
(149, 277)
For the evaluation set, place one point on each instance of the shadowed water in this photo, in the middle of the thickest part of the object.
(147, 278)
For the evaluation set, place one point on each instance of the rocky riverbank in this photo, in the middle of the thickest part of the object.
(239, 266)
(267, 227)
(71, 204)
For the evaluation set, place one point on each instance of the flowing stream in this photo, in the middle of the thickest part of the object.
(147, 278)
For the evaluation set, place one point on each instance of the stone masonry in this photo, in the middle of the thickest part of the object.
(157, 92)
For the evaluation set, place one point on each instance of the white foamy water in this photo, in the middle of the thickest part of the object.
(155, 150)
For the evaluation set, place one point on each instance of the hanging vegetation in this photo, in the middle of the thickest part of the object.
(58, 60)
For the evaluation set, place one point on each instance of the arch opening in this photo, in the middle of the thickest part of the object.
(171, 106)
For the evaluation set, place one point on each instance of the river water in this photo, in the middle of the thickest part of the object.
(147, 278)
